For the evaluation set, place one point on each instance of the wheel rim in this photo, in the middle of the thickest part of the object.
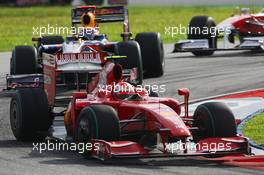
(202, 132)
(84, 130)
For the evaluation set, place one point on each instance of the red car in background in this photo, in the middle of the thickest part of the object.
(203, 34)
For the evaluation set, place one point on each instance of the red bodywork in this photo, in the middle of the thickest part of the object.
(147, 114)
(246, 25)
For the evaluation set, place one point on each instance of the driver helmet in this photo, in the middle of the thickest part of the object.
(124, 90)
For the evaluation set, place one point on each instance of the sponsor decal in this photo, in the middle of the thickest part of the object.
(62, 59)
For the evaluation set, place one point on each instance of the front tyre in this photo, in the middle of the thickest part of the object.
(206, 26)
(214, 119)
(97, 122)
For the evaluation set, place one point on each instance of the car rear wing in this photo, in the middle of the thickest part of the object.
(102, 14)
(112, 14)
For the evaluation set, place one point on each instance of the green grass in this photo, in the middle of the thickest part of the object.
(254, 129)
(16, 24)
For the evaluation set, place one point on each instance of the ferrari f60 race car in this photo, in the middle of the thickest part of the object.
(105, 105)
(119, 119)
(203, 34)
(144, 54)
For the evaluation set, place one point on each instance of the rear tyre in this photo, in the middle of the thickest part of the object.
(51, 40)
(152, 52)
(23, 60)
(97, 122)
(131, 49)
(29, 114)
(206, 24)
(214, 119)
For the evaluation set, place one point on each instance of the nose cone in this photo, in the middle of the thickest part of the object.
(182, 132)
(169, 119)
(177, 127)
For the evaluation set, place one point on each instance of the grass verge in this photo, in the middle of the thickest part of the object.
(17, 24)
(254, 129)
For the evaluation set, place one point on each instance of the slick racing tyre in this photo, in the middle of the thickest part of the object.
(152, 52)
(51, 40)
(206, 26)
(97, 122)
(214, 119)
(131, 49)
(23, 60)
(29, 114)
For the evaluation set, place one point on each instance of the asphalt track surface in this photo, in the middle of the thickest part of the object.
(205, 76)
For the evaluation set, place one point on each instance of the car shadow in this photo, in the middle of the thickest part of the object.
(136, 163)
(228, 54)
(74, 158)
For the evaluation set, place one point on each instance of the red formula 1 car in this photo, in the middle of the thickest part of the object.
(120, 120)
(203, 34)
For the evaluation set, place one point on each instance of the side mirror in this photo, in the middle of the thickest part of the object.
(186, 93)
